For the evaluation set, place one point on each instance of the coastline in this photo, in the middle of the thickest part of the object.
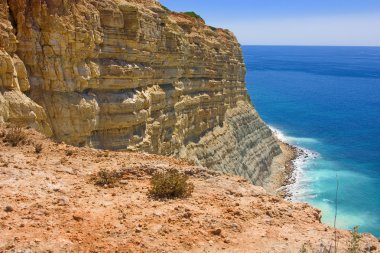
(282, 169)
(286, 168)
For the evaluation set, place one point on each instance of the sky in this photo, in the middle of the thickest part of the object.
(291, 22)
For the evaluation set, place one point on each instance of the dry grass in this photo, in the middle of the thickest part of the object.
(353, 244)
(106, 178)
(170, 184)
(69, 152)
(15, 136)
(38, 148)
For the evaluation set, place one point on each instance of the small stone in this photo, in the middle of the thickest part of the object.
(235, 226)
(138, 230)
(158, 214)
(64, 201)
(77, 218)
(8, 209)
(216, 231)
(123, 181)
(227, 240)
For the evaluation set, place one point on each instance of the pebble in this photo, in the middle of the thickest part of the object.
(216, 231)
(123, 181)
(77, 218)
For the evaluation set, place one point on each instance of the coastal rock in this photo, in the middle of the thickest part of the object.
(130, 75)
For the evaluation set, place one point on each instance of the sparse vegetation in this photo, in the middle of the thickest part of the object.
(353, 244)
(192, 14)
(308, 247)
(14, 136)
(104, 153)
(170, 184)
(164, 7)
(38, 148)
(69, 152)
(213, 28)
(303, 249)
(106, 178)
(63, 160)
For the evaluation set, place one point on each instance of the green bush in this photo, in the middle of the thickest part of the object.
(192, 14)
(170, 184)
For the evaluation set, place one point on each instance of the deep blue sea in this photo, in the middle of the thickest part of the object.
(325, 100)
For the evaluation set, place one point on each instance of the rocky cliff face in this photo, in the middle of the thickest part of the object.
(128, 74)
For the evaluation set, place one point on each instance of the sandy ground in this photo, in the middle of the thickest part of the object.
(49, 204)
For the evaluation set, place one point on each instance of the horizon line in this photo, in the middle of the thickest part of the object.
(280, 45)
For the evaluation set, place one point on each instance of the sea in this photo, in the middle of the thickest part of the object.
(326, 101)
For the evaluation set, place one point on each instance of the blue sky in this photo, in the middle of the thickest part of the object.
(291, 22)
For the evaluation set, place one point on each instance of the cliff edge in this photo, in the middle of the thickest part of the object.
(49, 204)
(131, 75)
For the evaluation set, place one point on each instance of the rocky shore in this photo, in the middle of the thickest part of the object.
(282, 169)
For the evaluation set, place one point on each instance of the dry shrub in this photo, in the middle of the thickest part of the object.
(170, 184)
(14, 136)
(106, 178)
(353, 244)
(323, 248)
(69, 152)
(38, 148)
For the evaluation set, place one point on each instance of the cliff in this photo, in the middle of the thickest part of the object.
(130, 75)
(49, 204)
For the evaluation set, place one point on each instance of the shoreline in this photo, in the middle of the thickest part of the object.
(282, 169)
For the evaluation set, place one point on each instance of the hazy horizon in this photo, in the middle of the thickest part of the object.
(278, 45)
(294, 22)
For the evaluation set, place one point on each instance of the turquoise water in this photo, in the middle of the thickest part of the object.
(325, 100)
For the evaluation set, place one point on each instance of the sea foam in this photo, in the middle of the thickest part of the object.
(297, 189)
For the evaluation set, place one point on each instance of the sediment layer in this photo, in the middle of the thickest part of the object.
(130, 75)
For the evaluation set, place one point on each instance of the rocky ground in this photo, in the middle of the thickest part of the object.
(49, 204)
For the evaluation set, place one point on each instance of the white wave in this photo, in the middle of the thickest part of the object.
(291, 139)
(299, 189)
(277, 132)
(301, 140)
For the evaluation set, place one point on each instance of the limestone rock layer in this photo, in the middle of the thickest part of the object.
(128, 74)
